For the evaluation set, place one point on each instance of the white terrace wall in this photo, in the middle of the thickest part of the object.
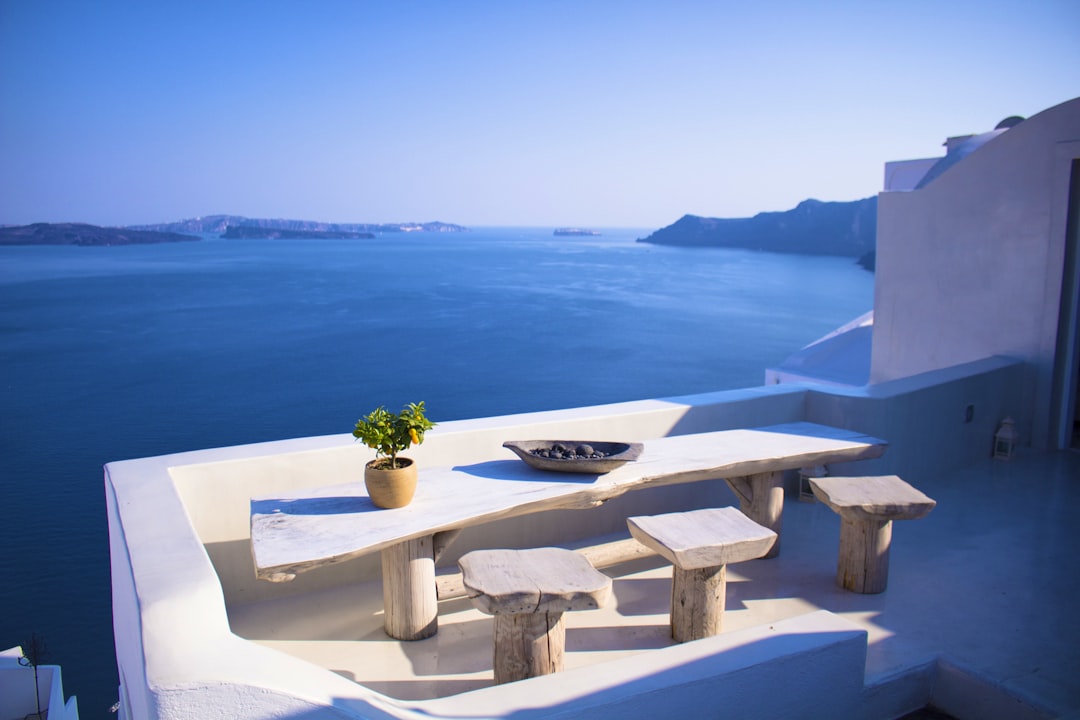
(925, 417)
(970, 266)
(178, 528)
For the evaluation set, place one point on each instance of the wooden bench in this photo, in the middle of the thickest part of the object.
(867, 506)
(700, 544)
(528, 591)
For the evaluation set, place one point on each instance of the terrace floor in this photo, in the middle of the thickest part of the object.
(987, 582)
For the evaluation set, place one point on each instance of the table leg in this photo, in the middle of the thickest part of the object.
(411, 610)
(761, 498)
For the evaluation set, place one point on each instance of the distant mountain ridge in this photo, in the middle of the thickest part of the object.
(221, 223)
(230, 226)
(85, 235)
(813, 227)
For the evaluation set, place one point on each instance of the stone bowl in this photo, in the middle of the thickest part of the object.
(615, 454)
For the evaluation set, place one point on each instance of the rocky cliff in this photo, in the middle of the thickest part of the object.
(813, 227)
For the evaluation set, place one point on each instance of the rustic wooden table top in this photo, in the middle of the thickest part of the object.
(313, 527)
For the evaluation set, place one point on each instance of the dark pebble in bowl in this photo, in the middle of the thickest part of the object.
(574, 456)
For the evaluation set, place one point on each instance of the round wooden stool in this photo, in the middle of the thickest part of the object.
(867, 506)
(701, 544)
(528, 591)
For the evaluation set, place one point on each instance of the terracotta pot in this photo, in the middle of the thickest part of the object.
(391, 487)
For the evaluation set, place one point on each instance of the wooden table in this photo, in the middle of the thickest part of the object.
(313, 527)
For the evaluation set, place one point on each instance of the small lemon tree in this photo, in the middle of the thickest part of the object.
(389, 433)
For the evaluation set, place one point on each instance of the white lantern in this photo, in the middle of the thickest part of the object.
(1005, 440)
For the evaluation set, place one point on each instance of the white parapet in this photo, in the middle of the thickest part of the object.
(20, 696)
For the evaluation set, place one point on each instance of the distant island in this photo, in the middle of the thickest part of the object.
(574, 231)
(223, 223)
(230, 226)
(253, 232)
(813, 227)
(85, 235)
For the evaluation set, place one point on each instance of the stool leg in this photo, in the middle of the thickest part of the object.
(697, 602)
(528, 645)
(863, 566)
(411, 611)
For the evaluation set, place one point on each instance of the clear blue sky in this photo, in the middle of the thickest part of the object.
(598, 114)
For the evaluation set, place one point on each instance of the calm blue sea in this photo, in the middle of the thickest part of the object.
(122, 352)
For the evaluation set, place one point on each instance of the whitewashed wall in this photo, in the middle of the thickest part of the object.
(906, 174)
(17, 690)
(971, 265)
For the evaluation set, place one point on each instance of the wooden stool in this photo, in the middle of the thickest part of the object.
(867, 506)
(528, 591)
(700, 544)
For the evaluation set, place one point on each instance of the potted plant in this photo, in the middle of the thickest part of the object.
(390, 479)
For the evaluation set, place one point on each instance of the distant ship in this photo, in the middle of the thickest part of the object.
(574, 231)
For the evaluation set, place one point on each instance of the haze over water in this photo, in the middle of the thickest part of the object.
(122, 352)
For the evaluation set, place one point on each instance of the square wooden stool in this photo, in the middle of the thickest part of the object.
(528, 591)
(700, 544)
(867, 506)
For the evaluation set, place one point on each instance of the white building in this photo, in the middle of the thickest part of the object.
(983, 261)
(976, 257)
